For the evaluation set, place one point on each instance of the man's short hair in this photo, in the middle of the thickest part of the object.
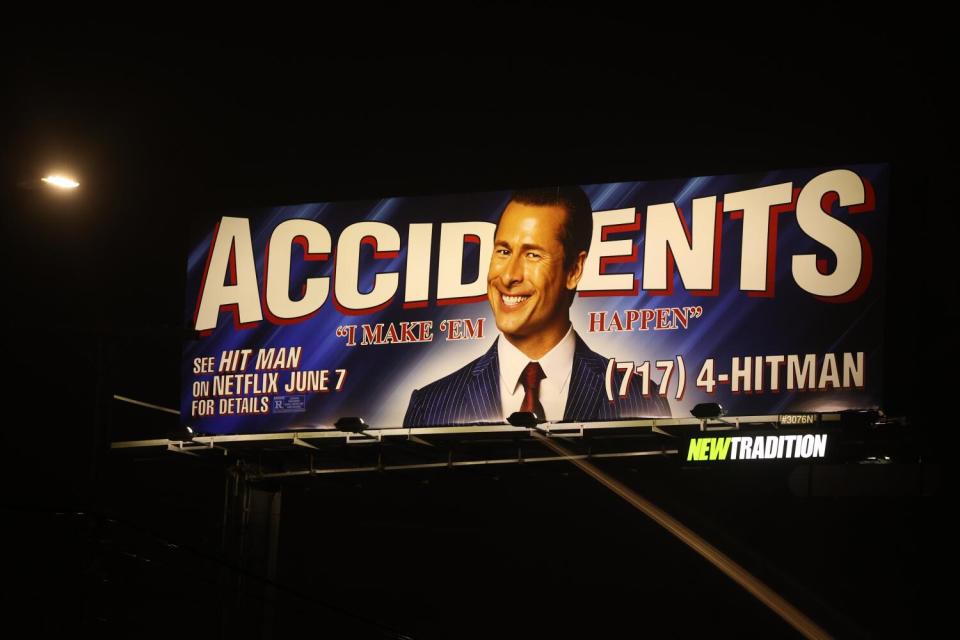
(577, 231)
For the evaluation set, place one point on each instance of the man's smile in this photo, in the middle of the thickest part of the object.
(511, 301)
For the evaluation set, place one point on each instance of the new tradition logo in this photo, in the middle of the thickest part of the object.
(771, 447)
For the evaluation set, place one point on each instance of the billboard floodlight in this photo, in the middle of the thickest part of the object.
(708, 410)
(353, 424)
(527, 419)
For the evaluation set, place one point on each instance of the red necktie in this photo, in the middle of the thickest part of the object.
(530, 379)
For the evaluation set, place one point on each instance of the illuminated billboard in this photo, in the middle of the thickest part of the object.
(762, 292)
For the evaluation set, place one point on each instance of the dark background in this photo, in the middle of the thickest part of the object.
(169, 125)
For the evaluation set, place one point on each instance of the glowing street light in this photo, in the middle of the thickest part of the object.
(61, 182)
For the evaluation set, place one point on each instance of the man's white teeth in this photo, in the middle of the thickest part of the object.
(512, 300)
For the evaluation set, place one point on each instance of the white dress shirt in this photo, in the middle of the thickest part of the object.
(557, 364)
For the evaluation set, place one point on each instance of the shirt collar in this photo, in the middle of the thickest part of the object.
(556, 363)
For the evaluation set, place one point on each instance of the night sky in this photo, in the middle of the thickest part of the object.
(168, 127)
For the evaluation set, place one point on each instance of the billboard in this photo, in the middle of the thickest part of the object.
(763, 292)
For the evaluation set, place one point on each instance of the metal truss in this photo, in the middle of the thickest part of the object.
(332, 451)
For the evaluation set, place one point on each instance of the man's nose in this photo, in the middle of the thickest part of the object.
(512, 271)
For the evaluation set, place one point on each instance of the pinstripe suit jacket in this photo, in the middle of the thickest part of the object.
(472, 394)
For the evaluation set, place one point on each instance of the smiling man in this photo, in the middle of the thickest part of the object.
(538, 363)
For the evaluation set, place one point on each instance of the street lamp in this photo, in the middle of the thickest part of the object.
(60, 182)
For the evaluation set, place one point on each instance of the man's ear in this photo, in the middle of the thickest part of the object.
(575, 272)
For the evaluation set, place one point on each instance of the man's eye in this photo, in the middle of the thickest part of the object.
(503, 252)
(533, 256)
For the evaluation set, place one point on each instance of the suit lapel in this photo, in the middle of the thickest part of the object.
(481, 395)
(586, 396)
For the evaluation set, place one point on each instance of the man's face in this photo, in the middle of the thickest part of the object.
(527, 284)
